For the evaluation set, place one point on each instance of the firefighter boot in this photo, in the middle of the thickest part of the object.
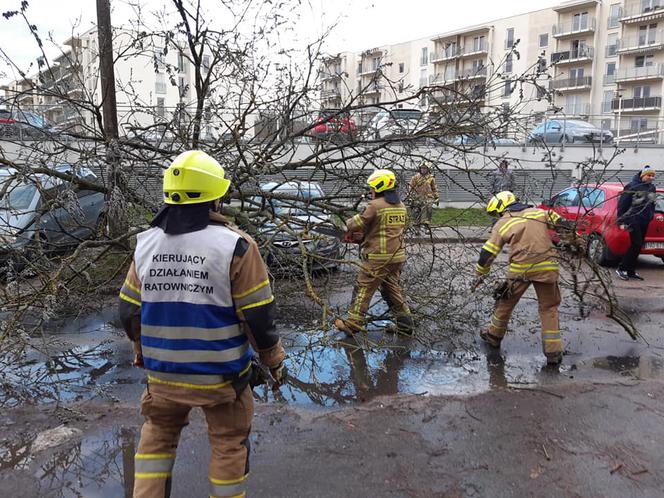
(345, 327)
(554, 358)
(489, 339)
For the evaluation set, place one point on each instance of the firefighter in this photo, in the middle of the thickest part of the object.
(423, 194)
(195, 302)
(382, 226)
(532, 260)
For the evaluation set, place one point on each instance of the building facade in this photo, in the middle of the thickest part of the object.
(604, 64)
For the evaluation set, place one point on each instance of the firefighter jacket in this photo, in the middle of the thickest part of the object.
(532, 254)
(198, 302)
(423, 188)
(383, 226)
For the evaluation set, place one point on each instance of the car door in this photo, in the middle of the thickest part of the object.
(592, 212)
(553, 132)
(567, 204)
(654, 240)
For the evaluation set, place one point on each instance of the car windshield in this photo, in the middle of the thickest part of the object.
(295, 207)
(18, 197)
(578, 124)
(659, 203)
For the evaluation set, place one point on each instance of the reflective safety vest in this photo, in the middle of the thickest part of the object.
(190, 332)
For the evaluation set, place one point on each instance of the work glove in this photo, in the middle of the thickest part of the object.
(279, 374)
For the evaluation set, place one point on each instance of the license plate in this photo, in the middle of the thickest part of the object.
(653, 245)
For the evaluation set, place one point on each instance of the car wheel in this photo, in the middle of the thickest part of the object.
(598, 252)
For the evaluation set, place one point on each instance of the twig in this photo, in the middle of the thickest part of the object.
(546, 453)
(616, 468)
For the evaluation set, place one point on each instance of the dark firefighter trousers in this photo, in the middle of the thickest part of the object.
(548, 297)
(229, 424)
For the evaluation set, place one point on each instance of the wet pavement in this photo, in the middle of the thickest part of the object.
(91, 361)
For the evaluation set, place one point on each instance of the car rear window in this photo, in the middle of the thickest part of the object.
(659, 203)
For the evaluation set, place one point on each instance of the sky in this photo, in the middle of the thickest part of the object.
(359, 24)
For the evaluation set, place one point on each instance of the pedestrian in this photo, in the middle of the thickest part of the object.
(502, 179)
(532, 261)
(382, 225)
(636, 208)
(195, 302)
(423, 194)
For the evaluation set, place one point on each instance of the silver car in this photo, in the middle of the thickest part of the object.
(569, 131)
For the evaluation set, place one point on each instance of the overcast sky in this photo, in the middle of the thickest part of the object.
(362, 24)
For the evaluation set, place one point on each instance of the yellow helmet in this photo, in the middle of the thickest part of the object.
(193, 178)
(499, 202)
(381, 180)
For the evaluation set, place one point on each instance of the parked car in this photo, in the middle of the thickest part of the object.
(394, 123)
(594, 208)
(43, 211)
(22, 124)
(481, 140)
(569, 131)
(294, 218)
(333, 124)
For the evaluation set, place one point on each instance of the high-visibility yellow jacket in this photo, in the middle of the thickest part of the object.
(532, 254)
(383, 225)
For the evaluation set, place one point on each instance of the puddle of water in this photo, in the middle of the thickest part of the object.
(96, 466)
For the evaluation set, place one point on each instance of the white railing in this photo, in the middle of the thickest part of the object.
(641, 41)
(637, 9)
(579, 26)
(637, 73)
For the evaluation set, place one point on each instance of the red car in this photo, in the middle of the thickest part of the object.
(594, 207)
(333, 124)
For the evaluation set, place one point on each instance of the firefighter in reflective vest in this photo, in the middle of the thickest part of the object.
(196, 301)
(423, 194)
(382, 225)
(532, 260)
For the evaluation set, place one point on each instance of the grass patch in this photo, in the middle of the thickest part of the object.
(460, 217)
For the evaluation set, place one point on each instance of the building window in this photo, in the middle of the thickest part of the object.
(610, 76)
(160, 107)
(612, 45)
(507, 88)
(160, 83)
(206, 63)
(541, 92)
(644, 61)
(639, 124)
(479, 43)
(580, 21)
(647, 34)
(402, 67)
(544, 40)
(181, 63)
(641, 92)
(424, 58)
(509, 42)
(615, 13)
(183, 87)
(606, 102)
(509, 64)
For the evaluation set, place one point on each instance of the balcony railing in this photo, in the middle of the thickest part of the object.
(473, 72)
(637, 12)
(571, 83)
(160, 87)
(577, 109)
(609, 79)
(651, 40)
(444, 55)
(640, 135)
(656, 71)
(637, 104)
(583, 53)
(331, 94)
(612, 50)
(575, 27)
(443, 78)
(474, 48)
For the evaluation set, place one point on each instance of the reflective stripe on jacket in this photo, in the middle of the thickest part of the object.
(190, 331)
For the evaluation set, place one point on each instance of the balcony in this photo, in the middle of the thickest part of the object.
(371, 89)
(638, 13)
(334, 93)
(583, 54)
(475, 49)
(583, 83)
(574, 28)
(577, 109)
(642, 43)
(367, 71)
(637, 104)
(610, 79)
(472, 73)
(654, 72)
(443, 78)
(326, 75)
(449, 53)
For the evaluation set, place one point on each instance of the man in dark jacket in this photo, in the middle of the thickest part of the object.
(636, 207)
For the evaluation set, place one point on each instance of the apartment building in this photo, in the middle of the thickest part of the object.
(145, 92)
(605, 59)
